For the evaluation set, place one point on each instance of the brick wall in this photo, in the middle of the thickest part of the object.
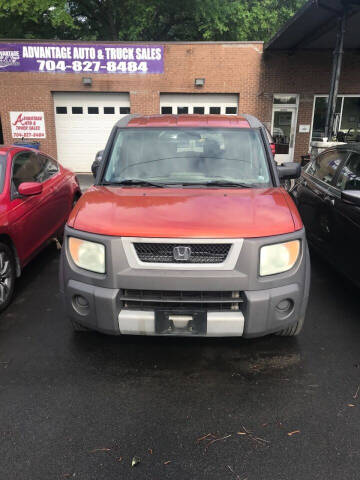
(305, 74)
(239, 68)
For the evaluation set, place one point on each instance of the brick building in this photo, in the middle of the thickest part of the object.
(78, 104)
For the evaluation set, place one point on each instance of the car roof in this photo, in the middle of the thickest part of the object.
(355, 146)
(15, 148)
(210, 121)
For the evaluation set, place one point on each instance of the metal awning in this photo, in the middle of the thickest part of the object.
(315, 26)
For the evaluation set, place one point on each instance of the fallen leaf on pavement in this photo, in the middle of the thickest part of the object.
(216, 439)
(150, 451)
(100, 450)
(204, 437)
(241, 433)
(355, 396)
(293, 433)
(119, 459)
(351, 405)
(135, 461)
(167, 462)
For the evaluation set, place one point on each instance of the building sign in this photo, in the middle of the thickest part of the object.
(27, 124)
(304, 128)
(81, 58)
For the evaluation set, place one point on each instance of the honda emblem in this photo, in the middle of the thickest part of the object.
(182, 254)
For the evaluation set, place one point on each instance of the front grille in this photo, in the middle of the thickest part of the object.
(200, 252)
(179, 300)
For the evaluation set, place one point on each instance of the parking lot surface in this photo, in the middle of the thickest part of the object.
(82, 406)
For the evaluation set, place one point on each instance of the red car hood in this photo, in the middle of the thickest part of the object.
(185, 213)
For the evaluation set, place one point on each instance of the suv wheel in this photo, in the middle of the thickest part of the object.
(293, 330)
(77, 327)
(7, 275)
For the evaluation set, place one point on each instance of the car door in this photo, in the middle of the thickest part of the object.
(312, 196)
(29, 216)
(345, 219)
(59, 200)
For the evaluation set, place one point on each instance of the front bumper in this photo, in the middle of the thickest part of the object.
(259, 312)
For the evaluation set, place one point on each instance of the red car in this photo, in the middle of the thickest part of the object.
(36, 197)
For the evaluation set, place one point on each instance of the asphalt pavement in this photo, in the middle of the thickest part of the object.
(82, 406)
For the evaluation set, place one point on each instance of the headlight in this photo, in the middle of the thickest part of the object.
(279, 257)
(87, 255)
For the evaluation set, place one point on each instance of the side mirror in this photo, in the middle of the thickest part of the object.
(30, 188)
(289, 170)
(94, 167)
(351, 196)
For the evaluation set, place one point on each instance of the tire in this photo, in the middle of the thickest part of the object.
(77, 327)
(60, 234)
(75, 200)
(7, 275)
(293, 330)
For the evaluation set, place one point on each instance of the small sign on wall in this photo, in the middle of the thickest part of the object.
(27, 124)
(304, 128)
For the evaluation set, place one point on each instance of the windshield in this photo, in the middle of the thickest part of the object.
(188, 156)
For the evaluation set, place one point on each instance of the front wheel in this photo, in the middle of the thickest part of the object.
(293, 330)
(7, 275)
(77, 327)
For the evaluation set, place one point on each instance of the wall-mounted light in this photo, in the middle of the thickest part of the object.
(199, 82)
(87, 81)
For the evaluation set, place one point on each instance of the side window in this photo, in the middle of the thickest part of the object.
(50, 168)
(326, 164)
(349, 178)
(2, 171)
(26, 168)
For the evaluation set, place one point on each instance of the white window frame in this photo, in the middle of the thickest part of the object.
(324, 95)
(286, 95)
(285, 105)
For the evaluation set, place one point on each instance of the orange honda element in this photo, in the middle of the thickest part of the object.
(187, 232)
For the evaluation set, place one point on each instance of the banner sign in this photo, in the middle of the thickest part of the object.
(27, 124)
(81, 58)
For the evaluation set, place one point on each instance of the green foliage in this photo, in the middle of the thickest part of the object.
(143, 20)
(35, 19)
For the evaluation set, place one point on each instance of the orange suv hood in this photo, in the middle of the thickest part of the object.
(185, 212)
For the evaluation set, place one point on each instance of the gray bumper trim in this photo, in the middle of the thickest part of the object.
(219, 324)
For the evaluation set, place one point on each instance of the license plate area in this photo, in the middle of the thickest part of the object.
(184, 322)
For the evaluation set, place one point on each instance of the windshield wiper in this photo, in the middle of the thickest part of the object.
(226, 183)
(136, 182)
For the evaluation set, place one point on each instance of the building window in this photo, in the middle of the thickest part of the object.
(214, 110)
(93, 110)
(124, 110)
(350, 119)
(181, 110)
(166, 110)
(199, 110)
(77, 110)
(109, 110)
(231, 110)
(285, 99)
(61, 110)
(347, 118)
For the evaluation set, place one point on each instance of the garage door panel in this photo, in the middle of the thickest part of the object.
(199, 103)
(80, 135)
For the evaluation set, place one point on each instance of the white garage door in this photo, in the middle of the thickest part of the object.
(198, 103)
(83, 124)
